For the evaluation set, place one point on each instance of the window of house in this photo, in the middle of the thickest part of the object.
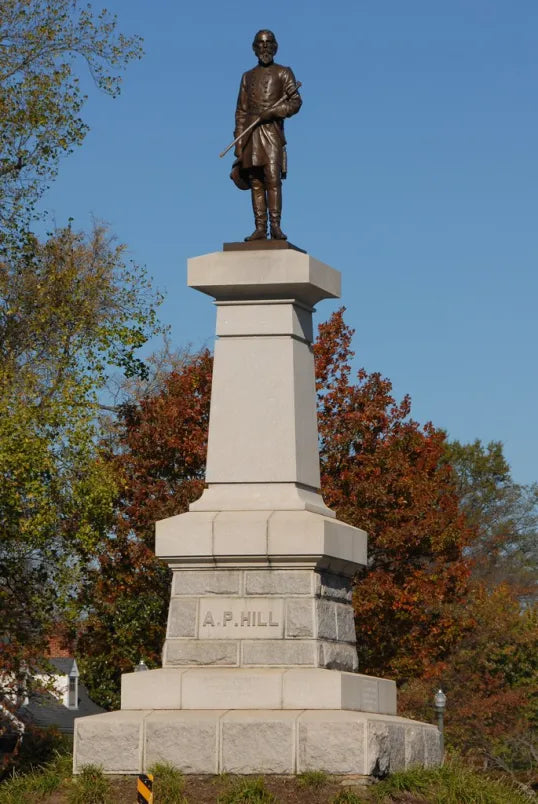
(72, 698)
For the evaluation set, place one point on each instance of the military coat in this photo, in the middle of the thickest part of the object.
(260, 88)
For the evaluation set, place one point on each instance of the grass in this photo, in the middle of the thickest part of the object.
(348, 797)
(452, 784)
(38, 783)
(247, 791)
(90, 787)
(313, 779)
(168, 784)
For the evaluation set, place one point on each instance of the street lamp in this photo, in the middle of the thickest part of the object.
(440, 705)
(141, 666)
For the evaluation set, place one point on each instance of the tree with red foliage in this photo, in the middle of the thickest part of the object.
(158, 452)
(420, 618)
(382, 472)
(490, 678)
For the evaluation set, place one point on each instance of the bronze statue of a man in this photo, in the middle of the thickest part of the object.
(268, 91)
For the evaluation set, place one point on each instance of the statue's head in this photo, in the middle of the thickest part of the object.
(265, 46)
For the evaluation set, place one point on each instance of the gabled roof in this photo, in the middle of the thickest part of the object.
(63, 663)
(44, 709)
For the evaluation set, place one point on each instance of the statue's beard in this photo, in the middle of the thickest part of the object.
(265, 58)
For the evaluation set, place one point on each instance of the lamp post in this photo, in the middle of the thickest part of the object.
(141, 666)
(440, 705)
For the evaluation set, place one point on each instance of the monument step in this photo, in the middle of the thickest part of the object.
(270, 538)
(260, 688)
(254, 741)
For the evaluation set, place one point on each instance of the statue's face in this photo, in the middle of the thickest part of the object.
(265, 48)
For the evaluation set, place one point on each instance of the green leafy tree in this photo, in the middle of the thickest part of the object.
(71, 311)
(42, 45)
(504, 515)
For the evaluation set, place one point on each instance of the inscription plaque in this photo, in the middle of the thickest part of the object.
(241, 618)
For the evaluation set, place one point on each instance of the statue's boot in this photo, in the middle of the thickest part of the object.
(259, 207)
(274, 198)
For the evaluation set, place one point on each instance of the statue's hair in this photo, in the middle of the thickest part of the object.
(265, 31)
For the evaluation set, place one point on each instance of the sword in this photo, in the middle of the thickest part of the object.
(285, 96)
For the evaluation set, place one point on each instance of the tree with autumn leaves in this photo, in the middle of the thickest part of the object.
(382, 472)
(157, 449)
(423, 612)
(451, 553)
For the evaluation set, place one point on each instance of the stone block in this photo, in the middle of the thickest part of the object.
(261, 319)
(179, 652)
(370, 694)
(153, 689)
(386, 690)
(182, 617)
(337, 656)
(333, 742)
(335, 587)
(186, 739)
(352, 695)
(206, 582)
(414, 745)
(269, 497)
(432, 746)
(326, 619)
(300, 618)
(340, 547)
(278, 652)
(238, 688)
(256, 426)
(258, 742)
(255, 741)
(259, 275)
(113, 740)
(397, 753)
(284, 686)
(385, 747)
(240, 535)
(187, 535)
(278, 582)
(307, 689)
(345, 623)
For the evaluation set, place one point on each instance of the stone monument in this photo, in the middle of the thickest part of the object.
(259, 667)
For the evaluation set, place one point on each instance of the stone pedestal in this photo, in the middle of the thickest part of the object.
(259, 664)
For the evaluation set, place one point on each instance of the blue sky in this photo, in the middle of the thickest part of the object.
(413, 170)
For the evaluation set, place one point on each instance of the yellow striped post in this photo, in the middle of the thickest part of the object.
(145, 788)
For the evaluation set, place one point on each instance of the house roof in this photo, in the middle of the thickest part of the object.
(63, 664)
(44, 709)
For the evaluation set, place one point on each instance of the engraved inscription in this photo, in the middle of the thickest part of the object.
(369, 697)
(241, 618)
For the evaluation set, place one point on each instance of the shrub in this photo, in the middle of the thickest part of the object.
(38, 747)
